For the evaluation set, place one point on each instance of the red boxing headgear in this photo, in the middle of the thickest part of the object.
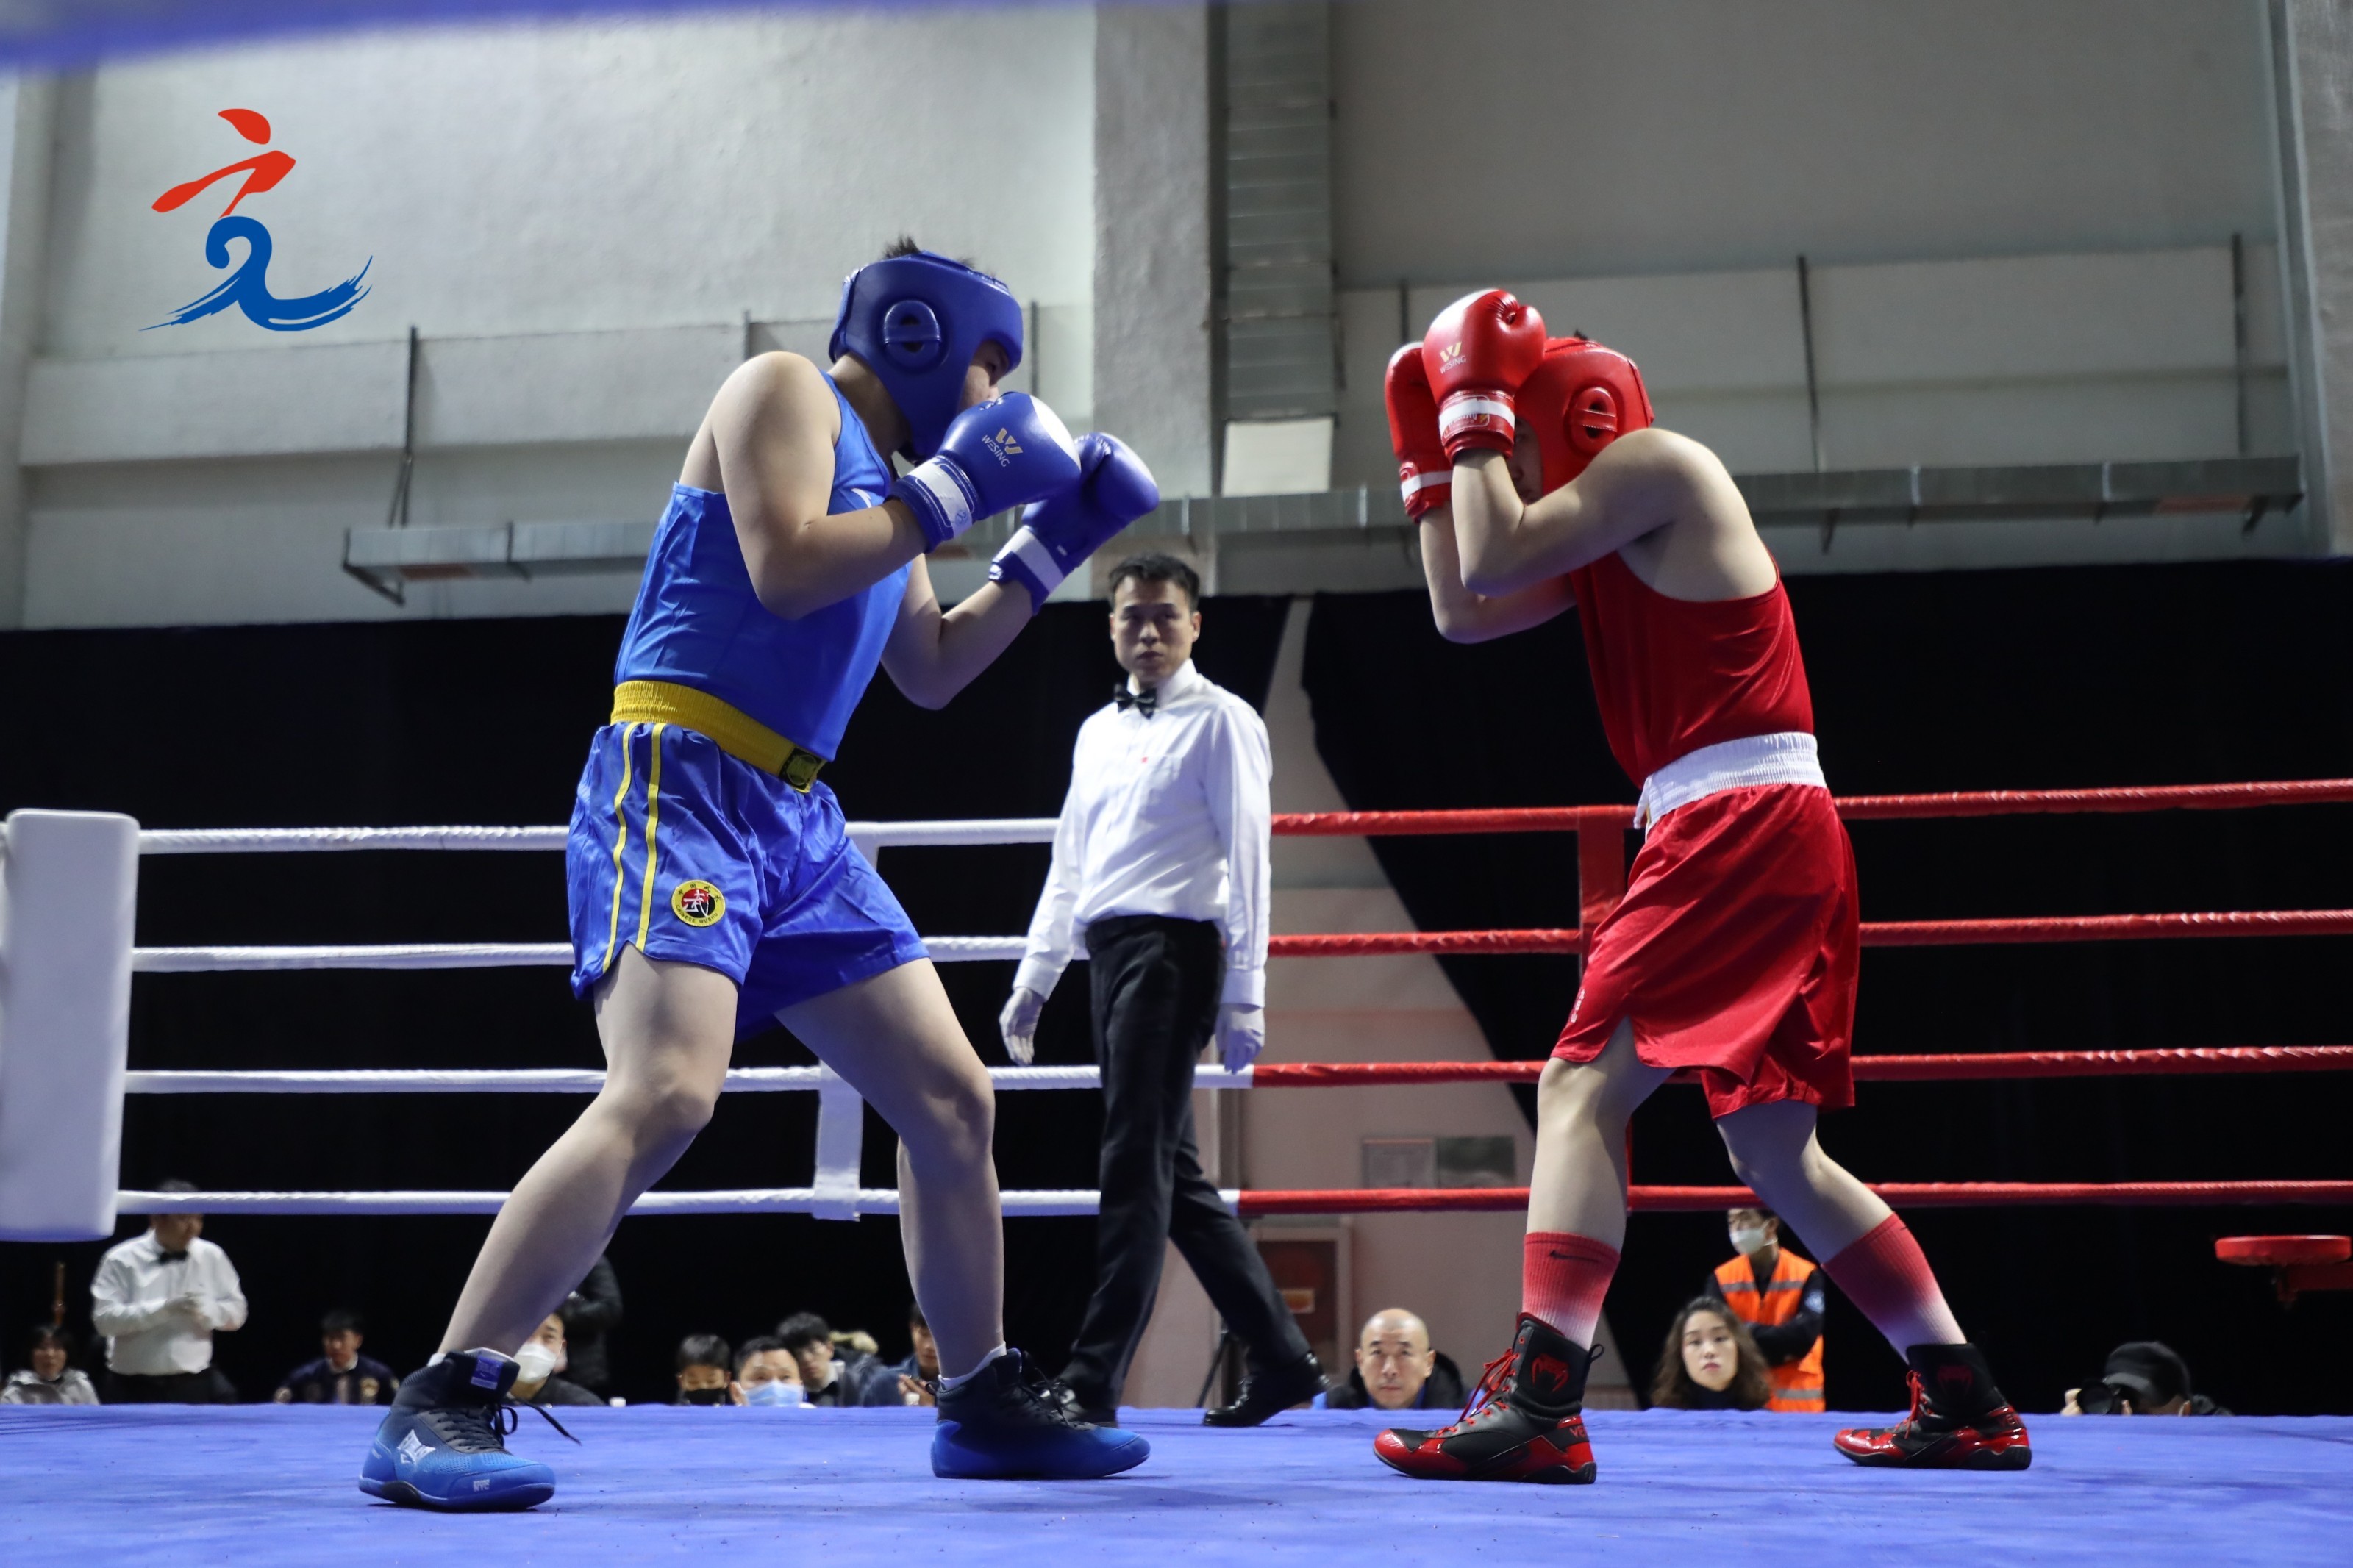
(1581, 398)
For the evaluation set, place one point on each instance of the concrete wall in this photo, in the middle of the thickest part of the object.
(589, 225)
(1530, 139)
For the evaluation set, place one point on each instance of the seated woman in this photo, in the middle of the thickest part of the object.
(1711, 1363)
(50, 1379)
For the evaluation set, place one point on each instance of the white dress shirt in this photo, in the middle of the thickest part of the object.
(1166, 815)
(133, 1299)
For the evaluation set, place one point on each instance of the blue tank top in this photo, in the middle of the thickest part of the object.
(697, 622)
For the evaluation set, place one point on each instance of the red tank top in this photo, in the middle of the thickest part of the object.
(1674, 675)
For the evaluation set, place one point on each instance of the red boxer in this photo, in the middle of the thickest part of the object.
(1541, 486)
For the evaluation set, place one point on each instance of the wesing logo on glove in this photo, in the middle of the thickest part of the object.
(1002, 446)
(248, 289)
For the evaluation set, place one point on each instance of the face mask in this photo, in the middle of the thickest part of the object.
(1747, 1239)
(536, 1361)
(703, 1395)
(778, 1393)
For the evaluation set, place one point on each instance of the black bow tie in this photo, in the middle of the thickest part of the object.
(179, 1257)
(1142, 701)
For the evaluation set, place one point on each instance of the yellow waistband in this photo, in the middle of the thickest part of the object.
(734, 731)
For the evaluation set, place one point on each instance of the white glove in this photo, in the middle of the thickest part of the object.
(1018, 1022)
(1241, 1034)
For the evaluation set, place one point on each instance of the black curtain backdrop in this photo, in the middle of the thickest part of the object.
(487, 721)
(1961, 681)
(1946, 681)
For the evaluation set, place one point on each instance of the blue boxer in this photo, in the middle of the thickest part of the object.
(701, 836)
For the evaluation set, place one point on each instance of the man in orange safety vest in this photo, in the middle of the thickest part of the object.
(1780, 1296)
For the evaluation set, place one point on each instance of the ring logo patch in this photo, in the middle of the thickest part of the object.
(698, 903)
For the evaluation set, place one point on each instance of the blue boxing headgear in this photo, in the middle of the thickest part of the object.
(916, 321)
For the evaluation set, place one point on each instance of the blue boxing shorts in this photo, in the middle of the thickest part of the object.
(692, 855)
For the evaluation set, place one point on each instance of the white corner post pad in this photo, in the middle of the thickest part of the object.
(1031, 550)
(840, 1139)
(67, 892)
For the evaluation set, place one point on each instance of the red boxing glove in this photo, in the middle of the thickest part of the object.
(1477, 353)
(1424, 472)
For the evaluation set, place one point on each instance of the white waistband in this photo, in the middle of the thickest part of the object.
(1786, 757)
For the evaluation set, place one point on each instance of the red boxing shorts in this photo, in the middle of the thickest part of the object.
(1735, 951)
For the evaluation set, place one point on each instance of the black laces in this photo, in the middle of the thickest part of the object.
(484, 1428)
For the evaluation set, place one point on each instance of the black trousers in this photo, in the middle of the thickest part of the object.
(1154, 985)
(206, 1387)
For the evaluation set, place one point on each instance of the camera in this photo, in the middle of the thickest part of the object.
(2102, 1399)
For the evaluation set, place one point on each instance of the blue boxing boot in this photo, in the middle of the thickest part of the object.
(443, 1443)
(1004, 1422)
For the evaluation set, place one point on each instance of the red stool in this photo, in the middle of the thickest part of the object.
(2300, 1263)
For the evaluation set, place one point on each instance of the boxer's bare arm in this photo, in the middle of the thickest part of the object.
(933, 654)
(768, 442)
(1664, 499)
(1465, 616)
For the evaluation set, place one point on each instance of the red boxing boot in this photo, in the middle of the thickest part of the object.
(1523, 1423)
(1959, 1420)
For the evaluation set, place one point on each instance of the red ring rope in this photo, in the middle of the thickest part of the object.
(1925, 1068)
(1875, 933)
(1902, 1195)
(1854, 808)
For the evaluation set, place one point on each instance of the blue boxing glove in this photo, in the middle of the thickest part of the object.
(1001, 454)
(1062, 530)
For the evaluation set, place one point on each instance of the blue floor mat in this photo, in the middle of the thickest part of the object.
(264, 1485)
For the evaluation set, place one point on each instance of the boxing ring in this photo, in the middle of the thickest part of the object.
(261, 1484)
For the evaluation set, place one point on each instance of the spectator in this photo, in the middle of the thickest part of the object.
(543, 1359)
(827, 1379)
(1711, 1363)
(589, 1313)
(52, 1379)
(341, 1375)
(702, 1363)
(1780, 1296)
(1397, 1369)
(2143, 1377)
(159, 1299)
(766, 1373)
(909, 1383)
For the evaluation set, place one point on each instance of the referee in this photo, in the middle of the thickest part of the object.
(1160, 868)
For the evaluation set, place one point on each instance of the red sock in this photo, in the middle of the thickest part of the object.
(1886, 1274)
(1563, 1277)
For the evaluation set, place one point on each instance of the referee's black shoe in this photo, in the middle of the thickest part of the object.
(1269, 1394)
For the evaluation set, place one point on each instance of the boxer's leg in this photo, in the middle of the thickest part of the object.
(1775, 1151)
(896, 1039)
(668, 1030)
(1959, 1419)
(1578, 1183)
(1526, 1423)
(1576, 1192)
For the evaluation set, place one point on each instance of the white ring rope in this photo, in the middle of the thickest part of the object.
(744, 1200)
(572, 1081)
(836, 1194)
(290, 840)
(464, 956)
